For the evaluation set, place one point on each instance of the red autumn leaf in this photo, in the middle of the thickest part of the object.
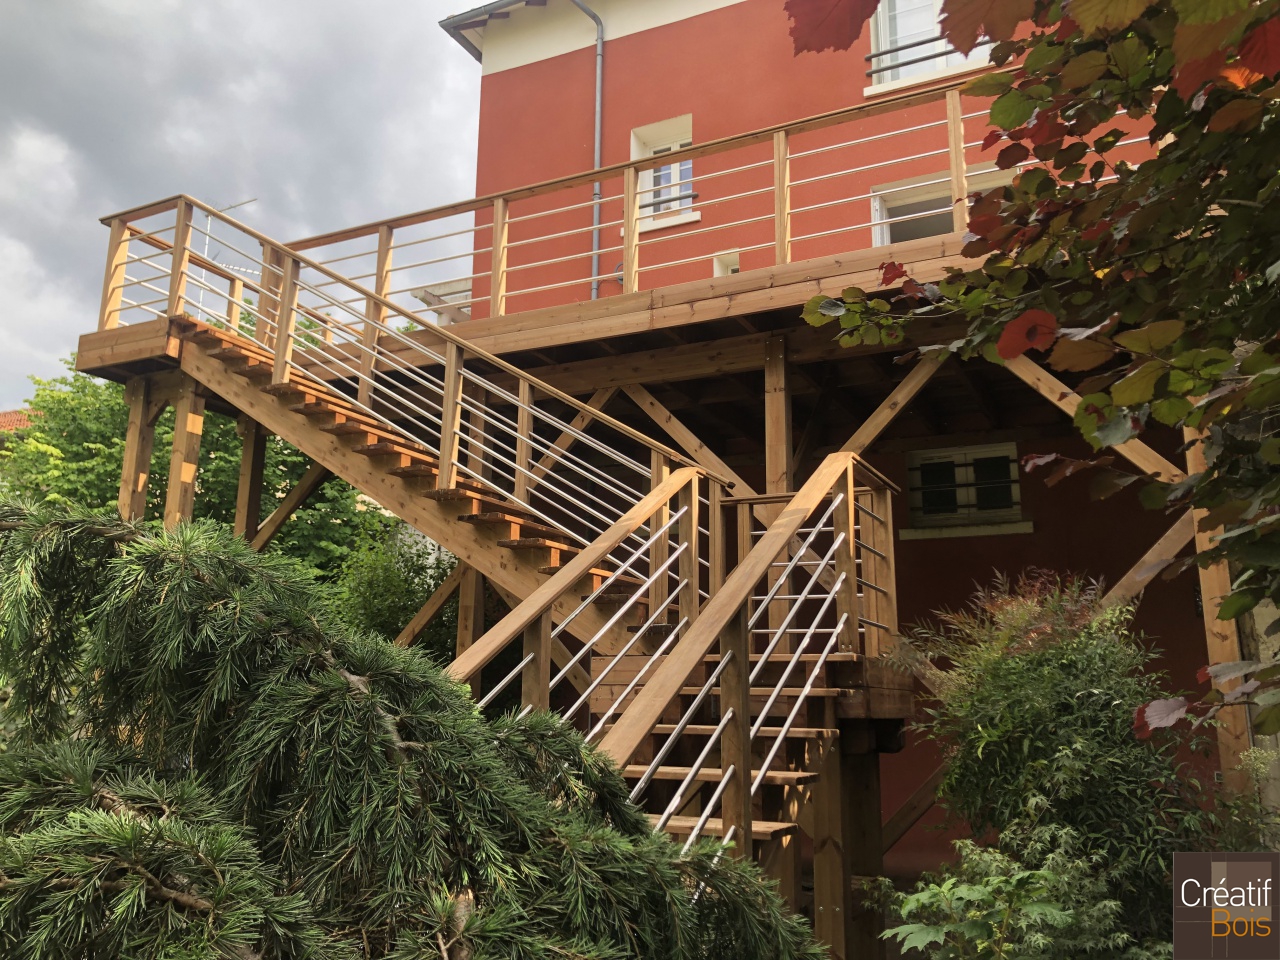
(1260, 50)
(1047, 128)
(891, 271)
(1239, 76)
(1011, 156)
(1095, 230)
(911, 288)
(1238, 115)
(992, 138)
(1033, 329)
(818, 25)
(1194, 75)
(1066, 29)
(982, 224)
(965, 21)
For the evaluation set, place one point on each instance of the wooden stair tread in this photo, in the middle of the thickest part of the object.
(714, 827)
(788, 778)
(836, 656)
(531, 543)
(501, 516)
(786, 691)
(798, 733)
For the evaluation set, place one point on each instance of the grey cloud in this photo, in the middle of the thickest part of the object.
(329, 112)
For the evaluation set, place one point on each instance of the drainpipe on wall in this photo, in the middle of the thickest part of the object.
(597, 195)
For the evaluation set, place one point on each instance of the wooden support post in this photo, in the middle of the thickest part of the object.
(688, 532)
(735, 745)
(269, 300)
(375, 313)
(249, 492)
(831, 880)
(862, 835)
(959, 171)
(535, 682)
(630, 230)
(659, 470)
(477, 428)
(777, 456)
(286, 320)
(845, 521)
(114, 279)
(181, 260)
(188, 425)
(139, 441)
(524, 439)
(780, 861)
(716, 543)
(781, 198)
(470, 608)
(311, 481)
(235, 303)
(498, 279)
(1222, 637)
(433, 606)
(450, 417)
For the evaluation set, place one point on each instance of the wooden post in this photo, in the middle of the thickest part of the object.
(831, 880)
(715, 537)
(959, 172)
(235, 303)
(114, 279)
(375, 317)
(882, 504)
(312, 480)
(1222, 637)
(630, 230)
(735, 743)
(139, 440)
(659, 470)
(188, 425)
(450, 417)
(268, 301)
(863, 843)
(845, 521)
(524, 438)
(535, 682)
(498, 281)
(477, 429)
(687, 528)
(286, 321)
(470, 608)
(777, 454)
(181, 260)
(781, 198)
(249, 492)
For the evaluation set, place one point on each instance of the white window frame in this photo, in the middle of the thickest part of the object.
(726, 263)
(967, 514)
(654, 139)
(918, 189)
(940, 64)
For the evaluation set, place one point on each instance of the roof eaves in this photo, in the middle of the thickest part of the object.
(454, 25)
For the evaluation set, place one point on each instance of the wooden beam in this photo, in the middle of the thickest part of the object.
(184, 461)
(1161, 554)
(569, 437)
(913, 809)
(139, 441)
(314, 476)
(703, 455)
(1222, 637)
(959, 169)
(1067, 400)
(863, 836)
(535, 681)
(831, 880)
(895, 403)
(470, 608)
(777, 418)
(249, 491)
(435, 602)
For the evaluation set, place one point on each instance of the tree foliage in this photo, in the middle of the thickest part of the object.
(1034, 715)
(74, 449)
(206, 764)
(1160, 281)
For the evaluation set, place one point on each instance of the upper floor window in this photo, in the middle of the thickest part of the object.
(906, 41)
(921, 207)
(666, 192)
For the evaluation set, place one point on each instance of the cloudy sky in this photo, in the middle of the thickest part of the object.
(329, 112)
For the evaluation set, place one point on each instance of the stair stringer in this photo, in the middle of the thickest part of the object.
(435, 519)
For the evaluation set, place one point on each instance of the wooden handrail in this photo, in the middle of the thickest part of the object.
(538, 602)
(621, 742)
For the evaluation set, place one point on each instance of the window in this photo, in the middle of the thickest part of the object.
(908, 31)
(726, 264)
(918, 208)
(666, 192)
(964, 486)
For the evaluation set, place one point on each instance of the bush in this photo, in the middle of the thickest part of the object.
(1035, 718)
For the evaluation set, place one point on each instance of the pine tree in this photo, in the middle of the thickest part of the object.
(207, 765)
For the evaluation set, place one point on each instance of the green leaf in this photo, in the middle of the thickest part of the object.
(1012, 109)
(1139, 386)
(1238, 603)
(1152, 337)
(988, 85)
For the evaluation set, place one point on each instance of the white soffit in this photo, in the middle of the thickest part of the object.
(531, 34)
